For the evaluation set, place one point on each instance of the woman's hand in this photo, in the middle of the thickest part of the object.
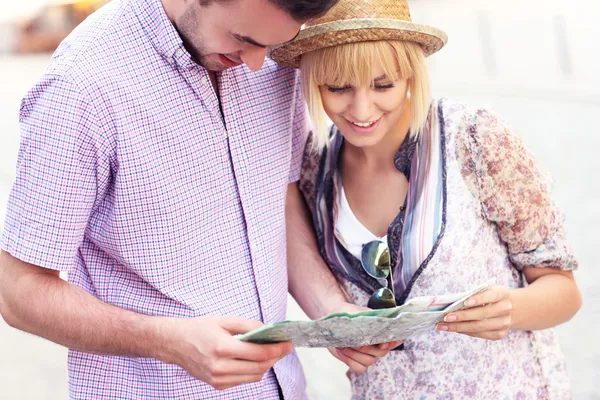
(489, 315)
(359, 358)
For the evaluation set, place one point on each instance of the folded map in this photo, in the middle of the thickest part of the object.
(416, 316)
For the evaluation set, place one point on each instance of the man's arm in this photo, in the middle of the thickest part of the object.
(311, 282)
(313, 285)
(36, 300)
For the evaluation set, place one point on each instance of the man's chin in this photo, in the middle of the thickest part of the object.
(208, 63)
(212, 65)
(215, 68)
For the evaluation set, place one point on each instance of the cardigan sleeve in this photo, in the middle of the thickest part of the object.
(514, 193)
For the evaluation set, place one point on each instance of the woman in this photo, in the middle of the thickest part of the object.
(451, 191)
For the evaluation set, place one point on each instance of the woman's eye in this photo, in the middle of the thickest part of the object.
(336, 89)
(384, 87)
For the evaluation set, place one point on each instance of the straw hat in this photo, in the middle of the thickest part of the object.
(351, 21)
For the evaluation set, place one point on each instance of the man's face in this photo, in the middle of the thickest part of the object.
(225, 34)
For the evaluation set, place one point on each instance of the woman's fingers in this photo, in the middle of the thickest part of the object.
(474, 327)
(492, 295)
(493, 310)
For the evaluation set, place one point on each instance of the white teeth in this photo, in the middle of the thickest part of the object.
(364, 124)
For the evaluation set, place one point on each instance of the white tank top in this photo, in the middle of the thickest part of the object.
(353, 234)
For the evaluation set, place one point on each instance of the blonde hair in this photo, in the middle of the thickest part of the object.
(352, 64)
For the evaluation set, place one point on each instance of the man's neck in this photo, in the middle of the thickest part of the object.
(213, 80)
(170, 7)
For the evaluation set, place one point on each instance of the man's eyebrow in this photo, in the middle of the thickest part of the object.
(253, 42)
(247, 39)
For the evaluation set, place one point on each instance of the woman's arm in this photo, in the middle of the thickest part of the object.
(552, 298)
(514, 195)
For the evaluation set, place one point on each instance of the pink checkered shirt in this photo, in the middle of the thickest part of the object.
(131, 179)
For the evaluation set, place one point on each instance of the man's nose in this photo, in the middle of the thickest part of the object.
(254, 58)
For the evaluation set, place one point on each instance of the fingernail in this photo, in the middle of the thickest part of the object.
(470, 302)
(450, 318)
(442, 327)
(385, 346)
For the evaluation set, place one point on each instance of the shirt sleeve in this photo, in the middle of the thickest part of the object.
(300, 132)
(514, 193)
(63, 169)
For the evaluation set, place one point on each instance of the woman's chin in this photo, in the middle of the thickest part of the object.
(361, 140)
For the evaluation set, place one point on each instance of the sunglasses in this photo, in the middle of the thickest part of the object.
(375, 260)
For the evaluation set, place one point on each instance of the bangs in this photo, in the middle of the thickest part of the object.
(353, 64)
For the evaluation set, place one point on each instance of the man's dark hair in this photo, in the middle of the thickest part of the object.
(303, 10)
(300, 10)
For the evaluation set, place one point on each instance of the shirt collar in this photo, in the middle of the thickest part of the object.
(161, 32)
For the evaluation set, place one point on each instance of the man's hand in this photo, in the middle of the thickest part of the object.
(206, 348)
(36, 300)
(359, 358)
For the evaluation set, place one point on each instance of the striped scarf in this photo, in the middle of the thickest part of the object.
(425, 214)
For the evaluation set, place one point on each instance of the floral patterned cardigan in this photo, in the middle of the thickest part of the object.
(478, 208)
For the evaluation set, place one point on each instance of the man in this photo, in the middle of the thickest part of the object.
(165, 198)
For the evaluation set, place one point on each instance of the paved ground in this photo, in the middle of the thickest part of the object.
(562, 133)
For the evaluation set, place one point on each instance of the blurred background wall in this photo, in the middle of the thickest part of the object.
(535, 62)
